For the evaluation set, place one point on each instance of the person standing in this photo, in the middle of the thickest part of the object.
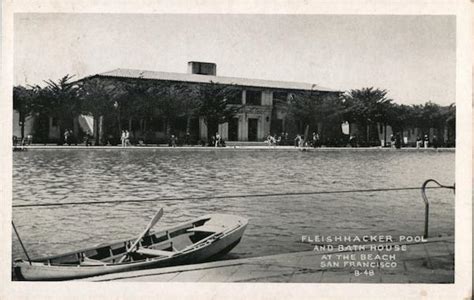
(301, 142)
(127, 138)
(173, 141)
(418, 142)
(398, 141)
(122, 138)
(353, 141)
(29, 139)
(66, 136)
(218, 140)
(297, 140)
(187, 139)
(426, 141)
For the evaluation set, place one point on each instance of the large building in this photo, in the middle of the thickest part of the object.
(262, 109)
(262, 102)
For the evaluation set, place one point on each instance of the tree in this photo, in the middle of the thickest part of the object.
(213, 106)
(23, 102)
(432, 116)
(60, 100)
(321, 111)
(367, 107)
(146, 97)
(400, 117)
(137, 102)
(173, 101)
(98, 99)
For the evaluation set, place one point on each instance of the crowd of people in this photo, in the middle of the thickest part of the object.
(395, 141)
(276, 140)
(299, 140)
(425, 142)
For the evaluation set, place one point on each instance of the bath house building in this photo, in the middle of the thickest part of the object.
(262, 102)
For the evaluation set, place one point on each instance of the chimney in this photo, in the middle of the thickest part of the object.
(202, 68)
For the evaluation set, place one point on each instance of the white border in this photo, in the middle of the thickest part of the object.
(463, 281)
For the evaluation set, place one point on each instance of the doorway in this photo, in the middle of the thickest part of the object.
(234, 129)
(253, 129)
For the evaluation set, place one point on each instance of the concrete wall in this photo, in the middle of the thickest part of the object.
(267, 98)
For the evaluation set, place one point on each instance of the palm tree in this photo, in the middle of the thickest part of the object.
(61, 101)
(136, 103)
(321, 111)
(174, 101)
(98, 98)
(366, 107)
(145, 101)
(213, 106)
(432, 115)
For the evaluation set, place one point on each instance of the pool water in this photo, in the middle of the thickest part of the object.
(276, 223)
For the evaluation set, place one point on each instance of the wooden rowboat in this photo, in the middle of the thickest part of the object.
(199, 240)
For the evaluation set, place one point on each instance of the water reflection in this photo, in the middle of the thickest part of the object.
(276, 223)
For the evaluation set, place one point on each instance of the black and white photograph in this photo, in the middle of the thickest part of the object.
(235, 147)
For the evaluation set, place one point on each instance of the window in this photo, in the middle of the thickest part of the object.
(203, 68)
(280, 96)
(253, 98)
(235, 98)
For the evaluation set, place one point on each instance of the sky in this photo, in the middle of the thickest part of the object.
(412, 57)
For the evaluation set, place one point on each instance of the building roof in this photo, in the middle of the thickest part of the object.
(197, 78)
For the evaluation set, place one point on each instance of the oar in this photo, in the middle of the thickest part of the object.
(155, 219)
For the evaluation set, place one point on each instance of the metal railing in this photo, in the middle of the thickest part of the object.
(427, 203)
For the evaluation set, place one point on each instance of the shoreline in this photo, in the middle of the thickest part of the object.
(228, 148)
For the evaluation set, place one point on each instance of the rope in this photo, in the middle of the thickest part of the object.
(224, 197)
(21, 243)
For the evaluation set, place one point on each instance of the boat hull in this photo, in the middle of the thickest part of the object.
(221, 244)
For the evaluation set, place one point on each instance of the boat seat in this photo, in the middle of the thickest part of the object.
(181, 242)
(207, 228)
(92, 262)
(155, 252)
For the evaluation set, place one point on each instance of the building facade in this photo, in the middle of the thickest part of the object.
(262, 103)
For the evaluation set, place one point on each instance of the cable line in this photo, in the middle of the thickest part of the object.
(227, 196)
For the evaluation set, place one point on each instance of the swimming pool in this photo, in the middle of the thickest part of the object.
(276, 223)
